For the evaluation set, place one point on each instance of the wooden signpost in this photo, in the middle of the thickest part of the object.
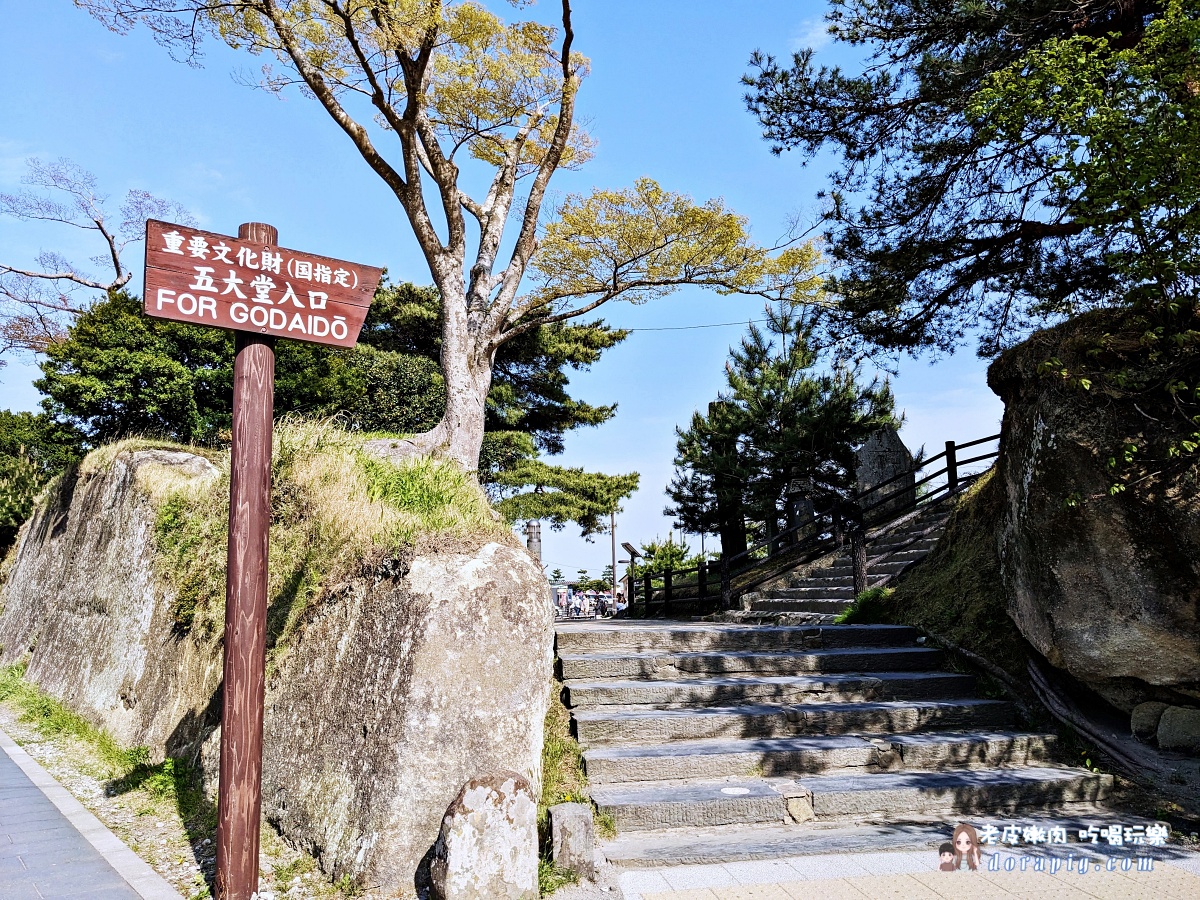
(261, 291)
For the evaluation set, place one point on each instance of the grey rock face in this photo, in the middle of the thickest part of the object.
(82, 603)
(880, 459)
(1143, 721)
(487, 847)
(573, 838)
(401, 683)
(1179, 729)
(1106, 587)
(401, 687)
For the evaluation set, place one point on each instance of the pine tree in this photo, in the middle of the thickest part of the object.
(779, 420)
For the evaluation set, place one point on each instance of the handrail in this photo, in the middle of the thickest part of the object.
(841, 518)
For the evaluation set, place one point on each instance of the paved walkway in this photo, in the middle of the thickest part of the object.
(52, 848)
(868, 876)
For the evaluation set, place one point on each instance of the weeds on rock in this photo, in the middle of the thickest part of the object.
(332, 505)
(52, 719)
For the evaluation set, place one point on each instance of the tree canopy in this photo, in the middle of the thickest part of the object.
(118, 373)
(427, 90)
(999, 165)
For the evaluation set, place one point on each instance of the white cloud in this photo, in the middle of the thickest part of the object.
(810, 34)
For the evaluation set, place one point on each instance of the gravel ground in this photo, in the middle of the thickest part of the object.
(154, 831)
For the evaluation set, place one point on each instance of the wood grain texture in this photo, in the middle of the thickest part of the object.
(239, 803)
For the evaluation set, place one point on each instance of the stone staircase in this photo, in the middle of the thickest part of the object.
(716, 742)
(817, 594)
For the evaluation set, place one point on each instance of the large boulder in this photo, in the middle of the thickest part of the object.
(403, 680)
(1106, 586)
(404, 684)
(81, 602)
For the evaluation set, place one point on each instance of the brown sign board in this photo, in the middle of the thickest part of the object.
(212, 279)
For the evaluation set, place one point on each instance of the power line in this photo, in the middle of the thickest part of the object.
(691, 327)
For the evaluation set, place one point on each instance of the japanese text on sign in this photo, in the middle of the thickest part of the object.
(211, 279)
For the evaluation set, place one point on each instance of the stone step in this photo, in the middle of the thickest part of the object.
(806, 590)
(770, 602)
(668, 666)
(734, 843)
(889, 567)
(823, 581)
(771, 689)
(637, 636)
(1010, 790)
(695, 805)
(815, 755)
(648, 726)
(700, 804)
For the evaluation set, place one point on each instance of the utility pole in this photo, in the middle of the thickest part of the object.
(612, 527)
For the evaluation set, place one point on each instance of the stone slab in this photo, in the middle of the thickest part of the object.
(654, 726)
(964, 790)
(577, 638)
(818, 754)
(783, 689)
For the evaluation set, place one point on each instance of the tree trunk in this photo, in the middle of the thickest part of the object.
(467, 370)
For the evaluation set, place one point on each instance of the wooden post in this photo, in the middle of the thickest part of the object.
(239, 803)
(612, 527)
(648, 589)
(951, 468)
(726, 584)
(839, 524)
(702, 580)
(667, 592)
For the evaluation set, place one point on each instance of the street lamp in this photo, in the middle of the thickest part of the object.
(634, 556)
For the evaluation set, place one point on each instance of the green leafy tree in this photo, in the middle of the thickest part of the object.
(20, 481)
(448, 87)
(119, 373)
(1000, 164)
(49, 445)
(778, 420)
(556, 576)
(658, 556)
(32, 448)
(533, 489)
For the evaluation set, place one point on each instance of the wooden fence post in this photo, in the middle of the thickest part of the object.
(726, 586)
(951, 468)
(667, 592)
(839, 524)
(648, 589)
(702, 581)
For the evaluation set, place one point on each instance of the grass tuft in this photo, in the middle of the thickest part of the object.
(332, 505)
(551, 877)
(52, 719)
(868, 608)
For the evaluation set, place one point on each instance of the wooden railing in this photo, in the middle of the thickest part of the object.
(838, 522)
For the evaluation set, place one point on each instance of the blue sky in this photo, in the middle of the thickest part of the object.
(663, 100)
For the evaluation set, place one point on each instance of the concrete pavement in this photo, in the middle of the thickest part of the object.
(913, 874)
(52, 848)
